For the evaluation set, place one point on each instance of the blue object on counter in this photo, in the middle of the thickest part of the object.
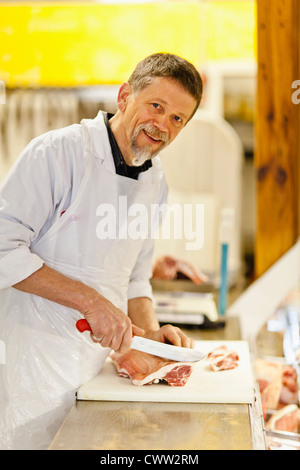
(223, 285)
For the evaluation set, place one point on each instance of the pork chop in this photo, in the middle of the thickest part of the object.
(146, 369)
(222, 358)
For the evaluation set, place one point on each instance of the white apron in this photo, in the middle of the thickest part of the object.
(46, 357)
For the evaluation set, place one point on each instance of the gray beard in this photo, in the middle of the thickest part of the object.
(146, 153)
(141, 155)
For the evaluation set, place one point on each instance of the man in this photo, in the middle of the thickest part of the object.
(55, 265)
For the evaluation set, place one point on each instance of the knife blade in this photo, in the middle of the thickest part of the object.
(167, 351)
(156, 348)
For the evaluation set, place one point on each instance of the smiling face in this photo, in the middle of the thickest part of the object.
(149, 120)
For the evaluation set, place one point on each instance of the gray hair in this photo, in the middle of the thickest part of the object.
(168, 66)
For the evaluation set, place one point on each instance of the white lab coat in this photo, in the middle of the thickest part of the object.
(49, 208)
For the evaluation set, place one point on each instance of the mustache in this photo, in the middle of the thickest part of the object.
(151, 129)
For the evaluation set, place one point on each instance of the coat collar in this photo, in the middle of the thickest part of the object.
(100, 148)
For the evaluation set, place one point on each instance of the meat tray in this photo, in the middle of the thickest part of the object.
(204, 385)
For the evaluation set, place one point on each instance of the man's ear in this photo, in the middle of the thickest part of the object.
(124, 92)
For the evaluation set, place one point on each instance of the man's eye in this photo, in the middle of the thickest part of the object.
(177, 119)
(156, 105)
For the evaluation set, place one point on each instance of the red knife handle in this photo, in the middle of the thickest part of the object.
(82, 325)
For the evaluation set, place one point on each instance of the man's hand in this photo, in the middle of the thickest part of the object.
(110, 326)
(170, 334)
(141, 312)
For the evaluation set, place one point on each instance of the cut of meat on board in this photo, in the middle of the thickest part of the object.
(145, 369)
(222, 358)
(285, 419)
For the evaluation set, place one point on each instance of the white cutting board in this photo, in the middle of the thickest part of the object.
(204, 385)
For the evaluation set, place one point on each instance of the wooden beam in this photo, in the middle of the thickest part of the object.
(277, 148)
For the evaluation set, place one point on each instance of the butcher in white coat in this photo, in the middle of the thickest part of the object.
(58, 263)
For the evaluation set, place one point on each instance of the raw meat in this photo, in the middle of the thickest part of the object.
(285, 419)
(222, 358)
(145, 369)
(269, 378)
(277, 384)
(167, 267)
(289, 389)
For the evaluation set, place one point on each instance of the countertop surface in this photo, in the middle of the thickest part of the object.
(113, 425)
(93, 425)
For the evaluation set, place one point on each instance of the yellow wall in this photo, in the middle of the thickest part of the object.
(67, 44)
(231, 30)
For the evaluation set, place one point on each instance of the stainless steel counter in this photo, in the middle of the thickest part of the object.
(96, 425)
(142, 425)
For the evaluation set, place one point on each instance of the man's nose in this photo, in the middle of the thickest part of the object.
(161, 122)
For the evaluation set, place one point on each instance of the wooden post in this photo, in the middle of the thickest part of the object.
(277, 148)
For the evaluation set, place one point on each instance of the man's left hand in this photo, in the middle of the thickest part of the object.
(172, 335)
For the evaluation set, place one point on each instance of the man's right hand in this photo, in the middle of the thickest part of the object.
(110, 326)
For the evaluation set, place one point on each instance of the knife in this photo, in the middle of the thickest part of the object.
(167, 351)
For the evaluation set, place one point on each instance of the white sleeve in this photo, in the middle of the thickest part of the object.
(29, 196)
(139, 285)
